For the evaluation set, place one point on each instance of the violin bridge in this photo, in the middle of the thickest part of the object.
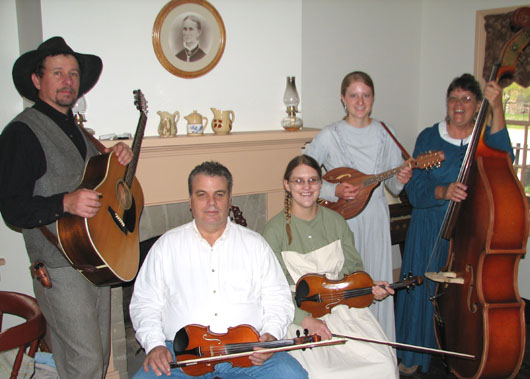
(444, 277)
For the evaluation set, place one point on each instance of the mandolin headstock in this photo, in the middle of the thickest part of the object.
(431, 159)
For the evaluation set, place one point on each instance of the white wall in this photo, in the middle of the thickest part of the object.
(381, 38)
(263, 46)
(411, 48)
(15, 275)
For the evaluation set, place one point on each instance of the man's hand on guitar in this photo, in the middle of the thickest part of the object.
(347, 191)
(82, 202)
(381, 290)
(258, 358)
(158, 359)
(317, 326)
(404, 174)
(122, 152)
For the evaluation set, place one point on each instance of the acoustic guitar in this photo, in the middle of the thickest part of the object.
(351, 208)
(105, 248)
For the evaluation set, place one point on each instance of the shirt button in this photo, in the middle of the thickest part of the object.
(213, 270)
(214, 291)
(215, 314)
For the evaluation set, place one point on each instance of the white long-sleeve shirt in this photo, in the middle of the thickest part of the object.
(185, 281)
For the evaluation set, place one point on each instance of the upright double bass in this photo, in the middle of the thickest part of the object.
(477, 305)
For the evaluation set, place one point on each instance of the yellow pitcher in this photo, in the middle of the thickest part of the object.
(222, 121)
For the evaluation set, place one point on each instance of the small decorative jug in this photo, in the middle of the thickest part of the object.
(168, 123)
(196, 123)
(222, 121)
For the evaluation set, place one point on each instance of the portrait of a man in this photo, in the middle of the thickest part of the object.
(191, 32)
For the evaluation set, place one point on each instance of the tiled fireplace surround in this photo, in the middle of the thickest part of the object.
(255, 159)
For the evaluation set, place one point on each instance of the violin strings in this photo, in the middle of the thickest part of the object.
(243, 347)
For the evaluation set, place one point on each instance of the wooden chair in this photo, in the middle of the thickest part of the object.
(23, 335)
(236, 215)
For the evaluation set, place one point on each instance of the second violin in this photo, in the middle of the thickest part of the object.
(318, 295)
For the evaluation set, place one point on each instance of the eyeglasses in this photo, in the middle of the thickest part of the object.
(301, 182)
(463, 99)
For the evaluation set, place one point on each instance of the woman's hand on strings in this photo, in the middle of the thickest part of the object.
(347, 191)
(404, 174)
(317, 326)
(454, 191)
(382, 289)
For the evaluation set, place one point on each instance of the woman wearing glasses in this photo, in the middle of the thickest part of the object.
(308, 238)
(430, 191)
(362, 143)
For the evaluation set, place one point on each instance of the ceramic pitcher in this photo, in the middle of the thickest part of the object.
(222, 121)
(196, 123)
(168, 123)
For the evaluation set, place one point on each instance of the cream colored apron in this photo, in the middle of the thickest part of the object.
(355, 359)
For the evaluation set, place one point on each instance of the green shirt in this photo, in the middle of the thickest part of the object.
(328, 226)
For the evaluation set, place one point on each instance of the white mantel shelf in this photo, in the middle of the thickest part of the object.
(256, 160)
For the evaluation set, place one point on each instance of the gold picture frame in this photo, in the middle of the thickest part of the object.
(194, 22)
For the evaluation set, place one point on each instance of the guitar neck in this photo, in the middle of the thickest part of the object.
(137, 144)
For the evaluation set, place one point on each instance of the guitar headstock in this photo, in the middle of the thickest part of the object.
(428, 160)
(139, 101)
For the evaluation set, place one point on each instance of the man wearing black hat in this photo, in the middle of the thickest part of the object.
(42, 159)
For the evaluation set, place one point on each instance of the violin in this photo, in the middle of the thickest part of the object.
(318, 295)
(198, 349)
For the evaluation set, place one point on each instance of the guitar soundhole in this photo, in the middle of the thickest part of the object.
(123, 194)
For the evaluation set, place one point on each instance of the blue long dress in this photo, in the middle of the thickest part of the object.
(414, 311)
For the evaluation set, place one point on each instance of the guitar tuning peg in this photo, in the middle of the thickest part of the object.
(297, 333)
(306, 332)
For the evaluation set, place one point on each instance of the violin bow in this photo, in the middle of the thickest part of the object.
(406, 346)
(214, 358)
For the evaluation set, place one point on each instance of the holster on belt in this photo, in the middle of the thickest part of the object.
(39, 271)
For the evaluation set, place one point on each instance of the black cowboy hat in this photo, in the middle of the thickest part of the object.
(90, 66)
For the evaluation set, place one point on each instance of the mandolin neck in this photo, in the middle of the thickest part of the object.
(378, 178)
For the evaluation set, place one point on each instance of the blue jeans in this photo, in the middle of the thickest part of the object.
(280, 365)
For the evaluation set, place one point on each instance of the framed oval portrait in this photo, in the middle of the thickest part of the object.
(189, 37)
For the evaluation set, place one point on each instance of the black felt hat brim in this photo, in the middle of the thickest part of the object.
(89, 65)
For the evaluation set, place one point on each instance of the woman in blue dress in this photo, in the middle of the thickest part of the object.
(429, 192)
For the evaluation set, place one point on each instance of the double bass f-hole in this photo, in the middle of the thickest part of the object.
(471, 305)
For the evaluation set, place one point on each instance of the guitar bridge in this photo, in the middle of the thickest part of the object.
(117, 219)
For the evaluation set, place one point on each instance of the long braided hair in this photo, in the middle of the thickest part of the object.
(294, 163)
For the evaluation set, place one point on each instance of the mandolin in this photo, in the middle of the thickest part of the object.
(367, 183)
(198, 349)
(318, 295)
(105, 248)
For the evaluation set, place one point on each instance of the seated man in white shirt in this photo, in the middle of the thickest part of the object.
(215, 273)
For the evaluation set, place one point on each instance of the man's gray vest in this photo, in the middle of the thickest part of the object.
(64, 172)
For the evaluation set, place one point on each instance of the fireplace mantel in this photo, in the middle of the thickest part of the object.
(256, 160)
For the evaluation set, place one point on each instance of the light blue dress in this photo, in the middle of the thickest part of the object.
(369, 150)
(414, 311)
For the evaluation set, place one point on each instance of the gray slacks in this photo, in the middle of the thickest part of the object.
(77, 314)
